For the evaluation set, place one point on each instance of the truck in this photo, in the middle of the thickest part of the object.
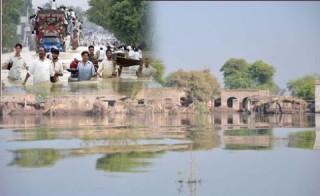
(51, 30)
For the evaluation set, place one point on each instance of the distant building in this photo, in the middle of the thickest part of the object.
(317, 96)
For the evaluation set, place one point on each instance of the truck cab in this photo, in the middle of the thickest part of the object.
(50, 29)
(51, 41)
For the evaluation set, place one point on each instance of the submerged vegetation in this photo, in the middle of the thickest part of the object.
(127, 162)
(304, 139)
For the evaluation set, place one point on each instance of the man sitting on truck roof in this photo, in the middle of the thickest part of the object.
(54, 5)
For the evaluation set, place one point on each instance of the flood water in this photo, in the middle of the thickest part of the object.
(227, 154)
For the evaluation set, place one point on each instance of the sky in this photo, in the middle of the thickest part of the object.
(82, 3)
(196, 35)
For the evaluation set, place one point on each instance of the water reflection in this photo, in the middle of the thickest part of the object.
(32, 158)
(124, 156)
(124, 86)
(200, 132)
(131, 143)
(303, 139)
(248, 139)
(127, 162)
(191, 121)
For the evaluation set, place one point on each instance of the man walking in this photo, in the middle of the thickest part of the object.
(92, 57)
(85, 68)
(107, 68)
(56, 68)
(18, 63)
(39, 68)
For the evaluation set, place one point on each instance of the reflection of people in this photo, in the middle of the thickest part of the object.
(107, 68)
(85, 67)
(18, 64)
(40, 68)
(56, 68)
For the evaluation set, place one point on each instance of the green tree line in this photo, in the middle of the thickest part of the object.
(11, 12)
(303, 87)
(239, 74)
(128, 20)
(202, 85)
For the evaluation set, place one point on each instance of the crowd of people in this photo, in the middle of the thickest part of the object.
(71, 23)
(98, 37)
(100, 63)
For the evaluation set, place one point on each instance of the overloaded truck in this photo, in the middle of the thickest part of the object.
(51, 30)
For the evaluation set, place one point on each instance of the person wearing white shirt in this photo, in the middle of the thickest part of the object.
(33, 41)
(18, 64)
(131, 52)
(67, 41)
(54, 5)
(148, 71)
(107, 69)
(40, 69)
(101, 54)
(72, 14)
(56, 68)
(136, 54)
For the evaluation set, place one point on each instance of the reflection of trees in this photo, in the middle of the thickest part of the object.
(126, 162)
(248, 139)
(35, 157)
(128, 88)
(41, 91)
(39, 133)
(83, 87)
(204, 140)
(202, 134)
(303, 139)
(245, 147)
(248, 132)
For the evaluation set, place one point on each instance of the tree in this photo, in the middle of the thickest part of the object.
(233, 66)
(238, 80)
(128, 20)
(199, 85)
(12, 10)
(160, 68)
(303, 88)
(262, 74)
(238, 74)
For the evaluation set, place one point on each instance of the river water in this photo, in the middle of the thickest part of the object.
(160, 155)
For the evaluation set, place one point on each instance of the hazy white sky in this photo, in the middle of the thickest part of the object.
(197, 35)
(82, 3)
